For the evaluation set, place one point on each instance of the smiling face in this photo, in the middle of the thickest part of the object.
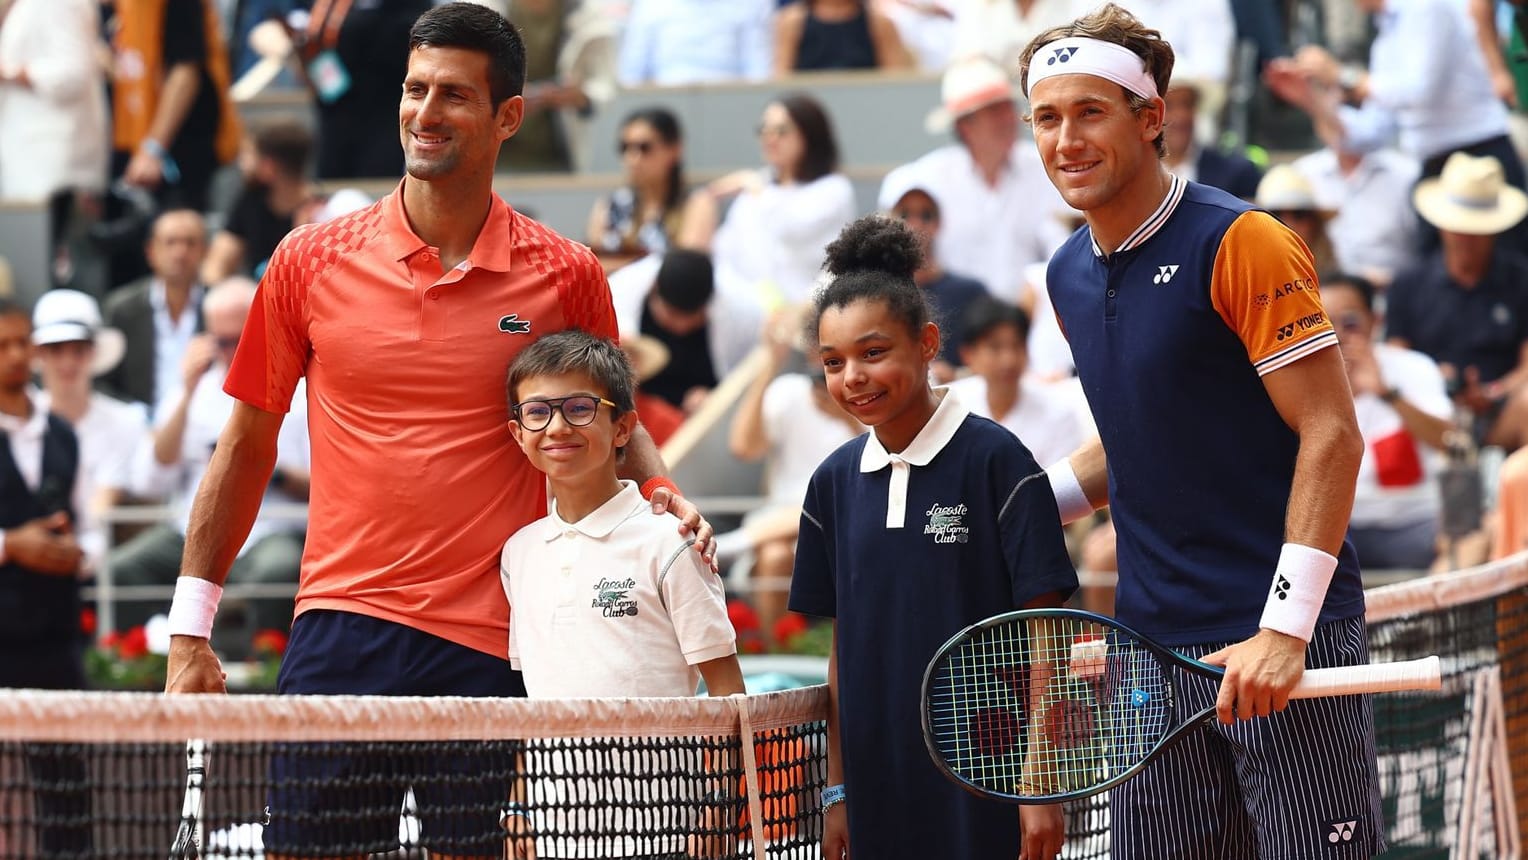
(447, 119)
(877, 369)
(564, 453)
(1096, 150)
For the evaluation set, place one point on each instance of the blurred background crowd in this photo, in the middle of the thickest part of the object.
(153, 152)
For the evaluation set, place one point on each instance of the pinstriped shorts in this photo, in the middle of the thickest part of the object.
(1300, 784)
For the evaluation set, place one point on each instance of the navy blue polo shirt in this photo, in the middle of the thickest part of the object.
(1171, 334)
(905, 550)
(1483, 326)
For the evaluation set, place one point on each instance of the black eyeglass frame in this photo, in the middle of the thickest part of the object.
(556, 406)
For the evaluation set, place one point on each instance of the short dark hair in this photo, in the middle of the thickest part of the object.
(476, 28)
(577, 351)
(1357, 283)
(686, 281)
(819, 151)
(873, 259)
(665, 124)
(986, 314)
(287, 143)
(9, 307)
(1117, 26)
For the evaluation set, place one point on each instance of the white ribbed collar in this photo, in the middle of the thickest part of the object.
(1153, 223)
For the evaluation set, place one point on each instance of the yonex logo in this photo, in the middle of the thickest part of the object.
(1281, 588)
(1061, 55)
(1341, 831)
(1164, 274)
(512, 324)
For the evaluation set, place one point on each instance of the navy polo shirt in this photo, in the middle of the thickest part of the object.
(1171, 334)
(1482, 327)
(904, 550)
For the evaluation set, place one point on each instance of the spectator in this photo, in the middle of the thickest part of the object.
(648, 357)
(1405, 417)
(276, 191)
(355, 54)
(677, 42)
(186, 427)
(72, 348)
(160, 313)
(1288, 196)
(173, 123)
(1051, 419)
(1203, 36)
(926, 28)
(1188, 159)
(999, 212)
(1464, 305)
(570, 50)
(53, 135)
(783, 217)
(815, 35)
(647, 215)
(708, 323)
(909, 197)
(1374, 230)
(791, 422)
(999, 29)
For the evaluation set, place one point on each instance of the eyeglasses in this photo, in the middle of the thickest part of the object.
(780, 130)
(641, 147)
(578, 411)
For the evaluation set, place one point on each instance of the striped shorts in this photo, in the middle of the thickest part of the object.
(1300, 784)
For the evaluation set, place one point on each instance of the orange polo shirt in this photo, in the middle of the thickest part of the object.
(416, 480)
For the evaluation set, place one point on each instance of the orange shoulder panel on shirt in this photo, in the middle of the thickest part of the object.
(1264, 286)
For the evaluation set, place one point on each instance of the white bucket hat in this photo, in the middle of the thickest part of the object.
(1471, 196)
(968, 85)
(63, 316)
(903, 180)
(1283, 188)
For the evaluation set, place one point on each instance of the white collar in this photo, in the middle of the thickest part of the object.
(600, 522)
(1153, 222)
(936, 434)
(161, 303)
(31, 427)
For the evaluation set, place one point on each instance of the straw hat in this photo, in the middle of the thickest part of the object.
(1471, 196)
(1285, 189)
(648, 355)
(63, 316)
(968, 85)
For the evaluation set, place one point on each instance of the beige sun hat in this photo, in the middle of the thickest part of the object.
(1285, 189)
(1471, 196)
(647, 354)
(968, 85)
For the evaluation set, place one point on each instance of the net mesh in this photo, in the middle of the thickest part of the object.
(104, 775)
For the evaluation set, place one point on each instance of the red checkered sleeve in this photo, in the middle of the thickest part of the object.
(273, 350)
(585, 294)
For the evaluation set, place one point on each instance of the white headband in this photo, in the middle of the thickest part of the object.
(1077, 55)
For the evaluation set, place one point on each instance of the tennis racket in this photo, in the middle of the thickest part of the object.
(1047, 705)
(188, 839)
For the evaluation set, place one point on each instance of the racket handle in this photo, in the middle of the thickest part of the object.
(1424, 674)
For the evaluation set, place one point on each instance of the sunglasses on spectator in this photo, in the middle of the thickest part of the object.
(578, 411)
(773, 130)
(641, 147)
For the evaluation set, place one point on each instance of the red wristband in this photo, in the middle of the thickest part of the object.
(652, 484)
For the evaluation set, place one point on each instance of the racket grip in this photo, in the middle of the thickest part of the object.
(1424, 674)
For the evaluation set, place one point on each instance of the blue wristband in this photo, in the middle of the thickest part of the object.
(167, 166)
(832, 796)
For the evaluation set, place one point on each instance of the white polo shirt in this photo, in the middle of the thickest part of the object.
(1386, 503)
(614, 605)
(1051, 419)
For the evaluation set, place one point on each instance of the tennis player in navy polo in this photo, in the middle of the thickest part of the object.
(1232, 455)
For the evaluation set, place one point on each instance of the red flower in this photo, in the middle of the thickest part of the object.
(789, 627)
(111, 640)
(270, 643)
(134, 644)
(742, 616)
(88, 621)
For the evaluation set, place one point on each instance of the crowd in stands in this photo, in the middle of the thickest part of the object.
(121, 118)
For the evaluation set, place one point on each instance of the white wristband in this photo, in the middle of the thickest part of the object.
(194, 605)
(1298, 591)
(1071, 501)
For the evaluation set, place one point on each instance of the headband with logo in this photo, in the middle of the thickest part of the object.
(1077, 55)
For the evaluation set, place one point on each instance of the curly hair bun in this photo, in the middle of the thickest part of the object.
(875, 243)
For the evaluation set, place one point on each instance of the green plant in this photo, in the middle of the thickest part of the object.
(122, 661)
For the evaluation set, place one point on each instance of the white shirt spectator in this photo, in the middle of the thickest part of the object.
(988, 233)
(778, 237)
(735, 316)
(800, 437)
(1202, 33)
(1421, 384)
(1051, 419)
(675, 42)
(1375, 230)
(1427, 83)
(25, 436)
(999, 31)
(109, 434)
(1050, 355)
(171, 339)
(927, 34)
(206, 415)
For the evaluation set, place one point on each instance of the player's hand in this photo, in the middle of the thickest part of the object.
(1042, 831)
(691, 523)
(1260, 672)
(520, 843)
(45, 545)
(193, 668)
(835, 833)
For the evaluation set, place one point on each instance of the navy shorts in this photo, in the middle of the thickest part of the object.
(344, 799)
(1300, 784)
